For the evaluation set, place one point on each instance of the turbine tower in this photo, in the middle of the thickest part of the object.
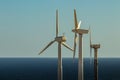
(80, 32)
(61, 41)
(95, 47)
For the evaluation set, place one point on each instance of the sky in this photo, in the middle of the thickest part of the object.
(27, 26)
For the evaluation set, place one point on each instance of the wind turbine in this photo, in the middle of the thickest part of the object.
(80, 32)
(61, 41)
(95, 47)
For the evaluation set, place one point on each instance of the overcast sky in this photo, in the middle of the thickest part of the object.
(27, 26)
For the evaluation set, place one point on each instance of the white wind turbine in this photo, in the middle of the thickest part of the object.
(95, 47)
(80, 32)
(61, 41)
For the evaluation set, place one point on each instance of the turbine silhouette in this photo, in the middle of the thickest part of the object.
(95, 47)
(80, 32)
(61, 41)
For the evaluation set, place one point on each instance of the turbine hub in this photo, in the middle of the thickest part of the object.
(60, 39)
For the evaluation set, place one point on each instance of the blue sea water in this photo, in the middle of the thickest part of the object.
(46, 69)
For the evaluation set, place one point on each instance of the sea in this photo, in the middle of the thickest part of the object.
(46, 69)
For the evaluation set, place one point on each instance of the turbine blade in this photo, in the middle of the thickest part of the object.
(75, 19)
(90, 55)
(75, 42)
(90, 46)
(47, 46)
(90, 35)
(57, 30)
(64, 44)
(79, 25)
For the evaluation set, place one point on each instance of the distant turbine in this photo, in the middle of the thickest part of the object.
(95, 47)
(60, 40)
(80, 32)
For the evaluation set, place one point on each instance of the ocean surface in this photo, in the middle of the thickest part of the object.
(46, 69)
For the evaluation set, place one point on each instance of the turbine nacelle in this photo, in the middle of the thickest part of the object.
(60, 39)
(80, 31)
(95, 46)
